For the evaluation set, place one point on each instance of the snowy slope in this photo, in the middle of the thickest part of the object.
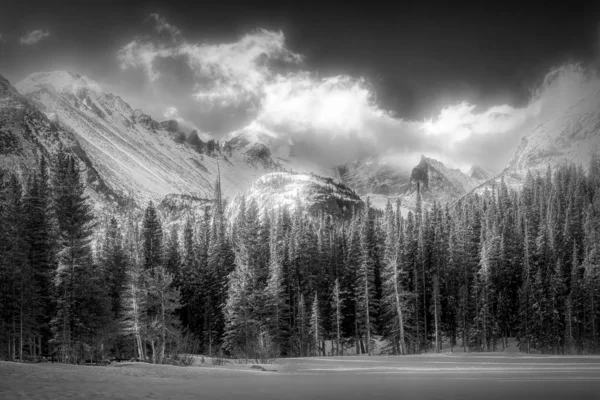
(479, 173)
(569, 136)
(287, 189)
(381, 181)
(259, 146)
(134, 154)
(26, 133)
(374, 177)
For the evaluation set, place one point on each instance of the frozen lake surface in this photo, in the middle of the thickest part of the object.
(448, 376)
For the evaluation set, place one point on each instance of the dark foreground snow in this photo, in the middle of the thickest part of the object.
(413, 377)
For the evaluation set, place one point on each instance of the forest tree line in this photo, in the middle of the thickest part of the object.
(285, 282)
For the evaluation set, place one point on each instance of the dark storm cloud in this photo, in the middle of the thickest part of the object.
(451, 82)
(337, 118)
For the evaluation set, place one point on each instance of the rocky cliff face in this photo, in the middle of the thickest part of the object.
(437, 183)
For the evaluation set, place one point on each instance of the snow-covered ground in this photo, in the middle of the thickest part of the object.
(461, 376)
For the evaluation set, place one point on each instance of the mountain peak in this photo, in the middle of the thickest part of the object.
(476, 172)
(61, 81)
(437, 182)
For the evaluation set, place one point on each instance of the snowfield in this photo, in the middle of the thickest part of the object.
(458, 375)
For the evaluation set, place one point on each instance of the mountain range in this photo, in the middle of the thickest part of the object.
(129, 156)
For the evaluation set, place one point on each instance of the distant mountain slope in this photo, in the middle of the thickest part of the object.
(479, 173)
(26, 133)
(437, 183)
(382, 182)
(374, 177)
(131, 152)
(569, 136)
(287, 189)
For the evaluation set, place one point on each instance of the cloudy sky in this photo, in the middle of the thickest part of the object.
(461, 83)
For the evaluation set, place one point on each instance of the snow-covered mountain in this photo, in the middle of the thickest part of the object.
(26, 133)
(127, 154)
(261, 146)
(288, 189)
(382, 181)
(134, 154)
(437, 183)
(372, 176)
(569, 136)
(479, 173)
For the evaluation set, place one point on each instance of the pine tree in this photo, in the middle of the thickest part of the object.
(276, 310)
(338, 315)
(165, 298)
(19, 295)
(114, 262)
(75, 223)
(316, 325)
(39, 231)
(394, 295)
(241, 326)
(113, 266)
(134, 304)
(350, 280)
(152, 239)
(525, 335)
(173, 257)
(365, 288)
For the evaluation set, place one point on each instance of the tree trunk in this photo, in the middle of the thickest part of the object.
(418, 308)
(435, 303)
(464, 329)
(401, 347)
(140, 346)
(356, 337)
(367, 319)
(14, 340)
(163, 329)
(153, 351)
(424, 306)
(21, 322)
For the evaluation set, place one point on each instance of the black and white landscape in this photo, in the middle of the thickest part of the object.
(299, 201)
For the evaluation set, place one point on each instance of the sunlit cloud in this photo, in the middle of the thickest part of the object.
(336, 118)
(231, 72)
(33, 37)
(339, 105)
